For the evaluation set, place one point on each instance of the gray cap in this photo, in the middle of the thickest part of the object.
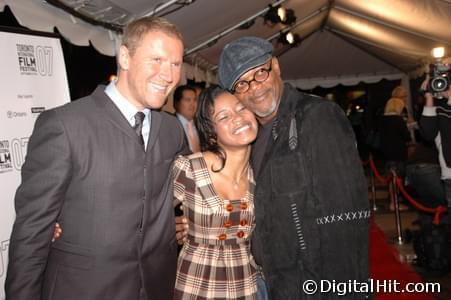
(240, 56)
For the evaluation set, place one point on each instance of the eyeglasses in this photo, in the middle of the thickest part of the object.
(260, 75)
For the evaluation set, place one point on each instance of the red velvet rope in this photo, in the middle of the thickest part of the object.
(436, 211)
(376, 173)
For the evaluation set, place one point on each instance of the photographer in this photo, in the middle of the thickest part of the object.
(435, 122)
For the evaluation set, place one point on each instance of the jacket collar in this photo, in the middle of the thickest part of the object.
(286, 108)
(114, 115)
(288, 101)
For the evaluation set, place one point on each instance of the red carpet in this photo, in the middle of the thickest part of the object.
(385, 265)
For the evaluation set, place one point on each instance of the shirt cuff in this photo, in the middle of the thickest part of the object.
(429, 111)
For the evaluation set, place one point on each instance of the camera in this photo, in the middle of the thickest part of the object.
(440, 79)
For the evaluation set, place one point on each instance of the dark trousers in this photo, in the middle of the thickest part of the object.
(426, 182)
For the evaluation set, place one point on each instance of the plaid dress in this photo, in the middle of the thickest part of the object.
(215, 262)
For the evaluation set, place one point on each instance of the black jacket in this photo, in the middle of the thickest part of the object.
(394, 137)
(431, 125)
(311, 200)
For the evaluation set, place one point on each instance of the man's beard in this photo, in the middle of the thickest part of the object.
(267, 112)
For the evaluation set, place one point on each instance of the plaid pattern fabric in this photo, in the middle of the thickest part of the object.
(215, 262)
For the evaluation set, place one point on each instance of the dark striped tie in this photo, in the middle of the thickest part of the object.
(139, 120)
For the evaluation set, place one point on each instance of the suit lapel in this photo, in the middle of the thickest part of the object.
(113, 114)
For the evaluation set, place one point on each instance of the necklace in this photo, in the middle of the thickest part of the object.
(236, 183)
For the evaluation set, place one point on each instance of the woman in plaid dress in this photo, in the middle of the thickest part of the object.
(216, 188)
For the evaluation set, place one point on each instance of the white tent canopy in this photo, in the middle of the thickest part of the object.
(343, 41)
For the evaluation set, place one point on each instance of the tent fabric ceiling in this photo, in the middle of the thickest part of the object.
(343, 41)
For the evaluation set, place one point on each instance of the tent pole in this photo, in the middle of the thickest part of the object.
(159, 8)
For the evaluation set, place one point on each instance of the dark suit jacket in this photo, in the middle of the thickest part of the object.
(394, 138)
(86, 169)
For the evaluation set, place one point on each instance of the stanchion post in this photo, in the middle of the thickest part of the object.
(373, 188)
(394, 197)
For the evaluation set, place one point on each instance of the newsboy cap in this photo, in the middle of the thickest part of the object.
(240, 56)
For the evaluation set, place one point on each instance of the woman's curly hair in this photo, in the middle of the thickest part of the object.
(205, 124)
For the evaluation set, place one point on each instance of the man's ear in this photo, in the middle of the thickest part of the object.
(123, 59)
(275, 65)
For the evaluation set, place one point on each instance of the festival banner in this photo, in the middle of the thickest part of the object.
(32, 79)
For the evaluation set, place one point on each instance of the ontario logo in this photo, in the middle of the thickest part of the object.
(35, 60)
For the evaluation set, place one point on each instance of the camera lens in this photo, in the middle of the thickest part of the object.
(439, 84)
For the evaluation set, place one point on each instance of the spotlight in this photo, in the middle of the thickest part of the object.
(438, 52)
(289, 38)
(278, 14)
(282, 13)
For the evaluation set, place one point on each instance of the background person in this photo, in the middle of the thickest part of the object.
(394, 136)
(185, 105)
(100, 167)
(435, 124)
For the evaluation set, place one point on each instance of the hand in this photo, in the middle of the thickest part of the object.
(57, 232)
(425, 83)
(412, 124)
(181, 229)
(427, 95)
